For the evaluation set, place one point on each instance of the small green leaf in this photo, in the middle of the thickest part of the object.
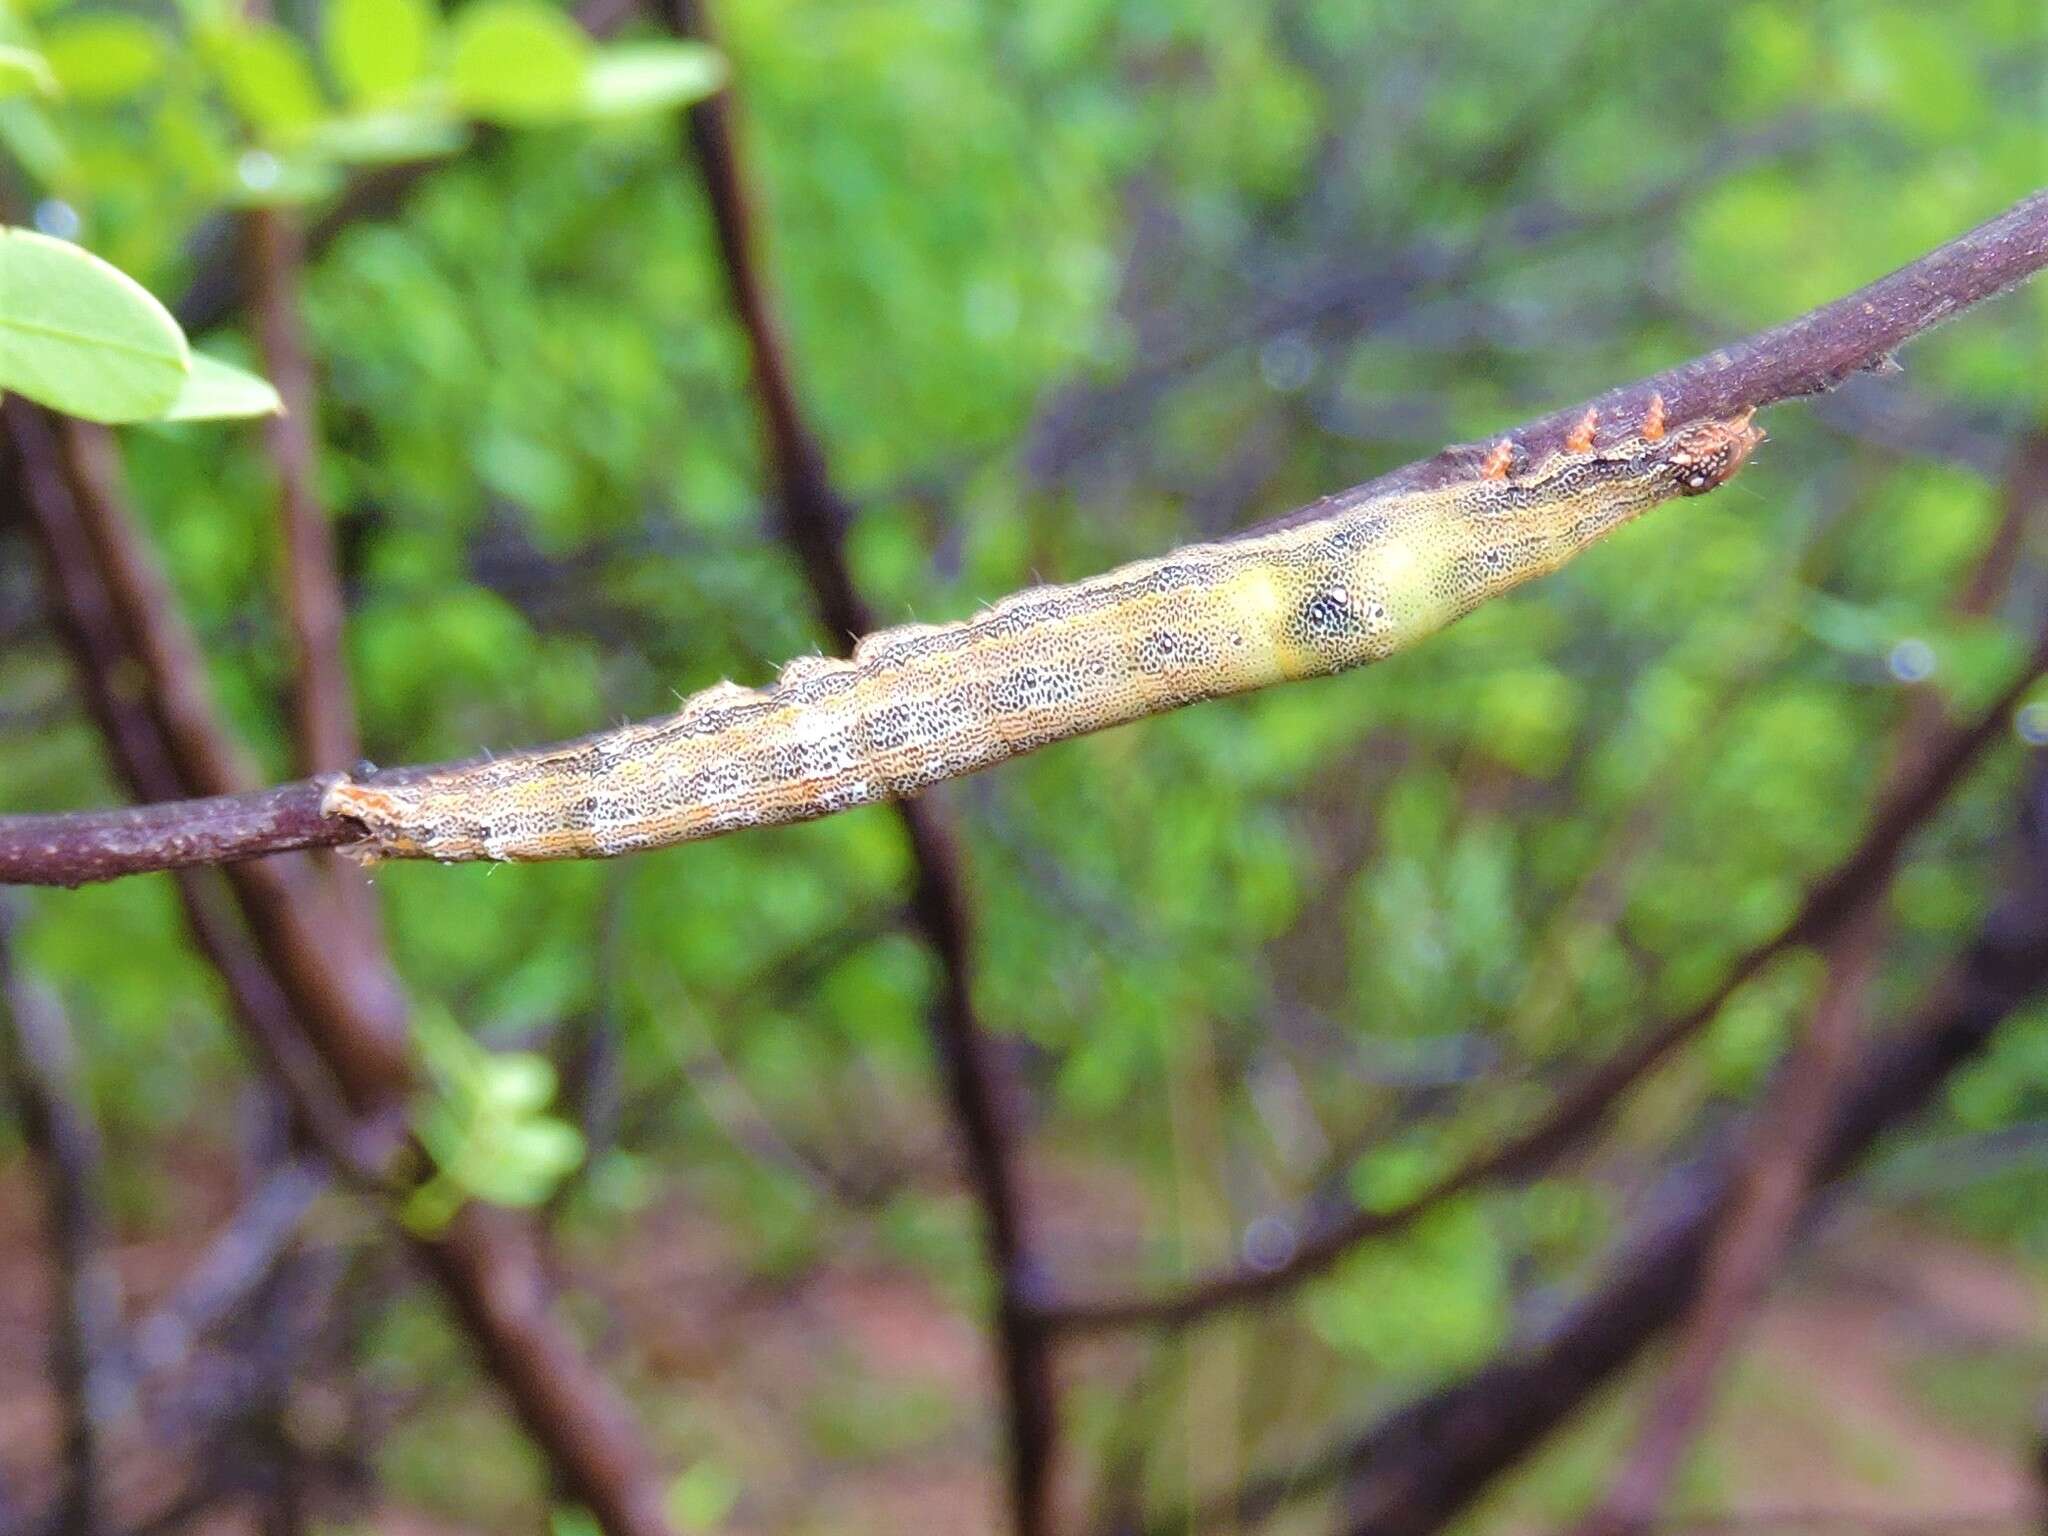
(23, 70)
(216, 391)
(380, 49)
(27, 133)
(265, 180)
(518, 61)
(268, 77)
(103, 57)
(81, 336)
(650, 77)
(701, 1498)
(386, 138)
(519, 1083)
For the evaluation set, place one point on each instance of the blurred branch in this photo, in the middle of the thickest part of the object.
(1847, 889)
(323, 713)
(1770, 1186)
(1418, 1468)
(234, 1265)
(1807, 356)
(328, 975)
(83, 613)
(329, 1015)
(813, 520)
(1772, 1182)
(1352, 296)
(39, 1064)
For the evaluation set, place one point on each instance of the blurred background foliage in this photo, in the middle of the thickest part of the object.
(1068, 282)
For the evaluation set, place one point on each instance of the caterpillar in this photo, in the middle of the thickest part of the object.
(1352, 583)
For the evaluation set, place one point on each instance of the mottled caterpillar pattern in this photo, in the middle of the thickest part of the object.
(922, 703)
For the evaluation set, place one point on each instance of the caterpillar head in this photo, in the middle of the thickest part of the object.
(1707, 455)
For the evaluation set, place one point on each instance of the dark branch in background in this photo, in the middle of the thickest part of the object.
(83, 614)
(1419, 1468)
(1777, 1163)
(813, 519)
(1360, 293)
(288, 908)
(1848, 889)
(1769, 1186)
(1811, 354)
(38, 1068)
(323, 709)
(236, 1263)
(328, 1017)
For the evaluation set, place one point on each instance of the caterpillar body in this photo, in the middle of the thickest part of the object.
(1350, 584)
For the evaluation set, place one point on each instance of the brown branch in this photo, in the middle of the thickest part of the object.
(323, 710)
(1807, 356)
(297, 923)
(236, 1263)
(1847, 889)
(80, 847)
(813, 519)
(1777, 1163)
(1770, 1187)
(330, 1017)
(1421, 1466)
(1359, 294)
(1814, 353)
(39, 1069)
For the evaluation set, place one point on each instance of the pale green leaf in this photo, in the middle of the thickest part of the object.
(519, 1082)
(650, 77)
(103, 57)
(265, 180)
(81, 336)
(217, 391)
(518, 61)
(384, 138)
(27, 133)
(380, 49)
(23, 70)
(267, 77)
(701, 1498)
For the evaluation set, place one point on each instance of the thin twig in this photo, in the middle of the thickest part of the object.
(236, 1262)
(323, 711)
(1770, 1188)
(83, 613)
(1811, 355)
(814, 518)
(38, 1066)
(1807, 356)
